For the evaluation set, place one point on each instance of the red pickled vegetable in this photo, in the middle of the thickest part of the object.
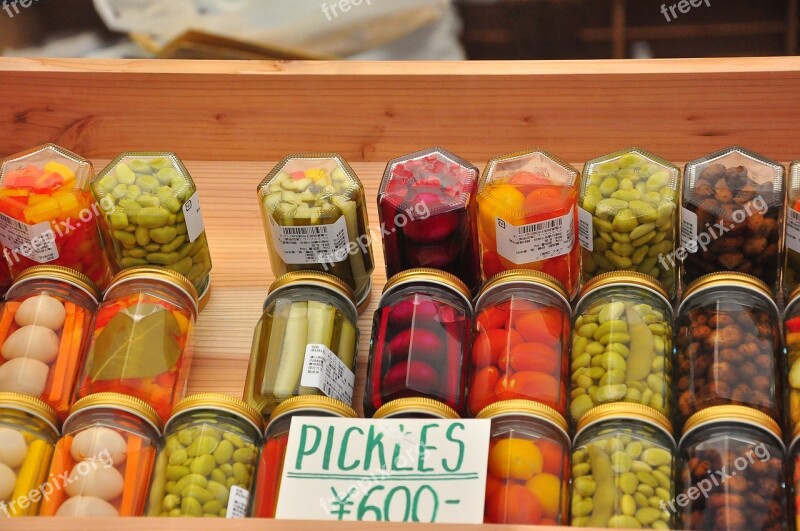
(417, 343)
(482, 389)
(376, 362)
(455, 368)
(793, 325)
(532, 357)
(434, 228)
(489, 345)
(415, 376)
(531, 385)
(420, 311)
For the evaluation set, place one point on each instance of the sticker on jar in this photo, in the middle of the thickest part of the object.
(312, 244)
(585, 229)
(194, 217)
(323, 370)
(689, 230)
(34, 242)
(793, 230)
(238, 501)
(523, 244)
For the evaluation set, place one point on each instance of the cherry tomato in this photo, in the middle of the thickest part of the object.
(482, 389)
(545, 198)
(531, 357)
(490, 344)
(513, 504)
(530, 385)
(793, 324)
(493, 318)
(540, 326)
(553, 457)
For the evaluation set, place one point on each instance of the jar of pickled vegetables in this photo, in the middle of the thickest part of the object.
(426, 205)
(143, 338)
(103, 461)
(527, 216)
(270, 465)
(528, 470)
(520, 347)
(207, 464)
(420, 337)
(732, 216)
(151, 216)
(791, 272)
(28, 435)
(623, 468)
(47, 215)
(315, 217)
(305, 342)
(415, 408)
(731, 471)
(794, 468)
(791, 328)
(622, 344)
(629, 216)
(728, 346)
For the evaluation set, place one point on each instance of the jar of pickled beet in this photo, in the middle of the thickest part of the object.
(315, 217)
(143, 338)
(527, 216)
(270, 465)
(47, 214)
(103, 462)
(420, 338)
(729, 347)
(791, 329)
(151, 216)
(416, 408)
(305, 342)
(45, 328)
(623, 468)
(28, 435)
(528, 471)
(731, 471)
(207, 464)
(622, 344)
(629, 216)
(732, 216)
(520, 346)
(426, 205)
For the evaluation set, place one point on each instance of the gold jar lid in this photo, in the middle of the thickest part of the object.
(527, 408)
(159, 274)
(312, 403)
(523, 276)
(118, 401)
(61, 274)
(728, 279)
(30, 405)
(217, 402)
(416, 406)
(624, 411)
(731, 413)
(313, 278)
(429, 275)
(625, 278)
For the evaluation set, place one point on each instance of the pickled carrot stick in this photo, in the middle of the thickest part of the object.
(134, 477)
(65, 365)
(62, 463)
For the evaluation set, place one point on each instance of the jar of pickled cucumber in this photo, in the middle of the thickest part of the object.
(103, 461)
(143, 338)
(527, 216)
(622, 344)
(729, 347)
(791, 271)
(623, 468)
(731, 471)
(791, 368)
(415, 408)
(420, 337)
(45, 328)
(528, 471)
(28, 435)
(207, 464)
(47, 214)
(270, 465)
(305, 342)
(315, 217)
(520, 344)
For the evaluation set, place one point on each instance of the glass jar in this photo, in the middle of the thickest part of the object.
(528, 469)
(270, 465)
(5, 277)
(623, 468)
(305, 342)
(622, 344)
(527, 216)
(48, 215)
(416, 408)
(420, 335)
(143, 338)
(151, 216)
(732, 216)
(315, 217)
(731, 471)
(791, 368)
(207, 464)
(28, 435)
(520, 347)
(791, 272)
(629, 216)
(426, 205)
(103, 461)
(794, 467)
(728, 346)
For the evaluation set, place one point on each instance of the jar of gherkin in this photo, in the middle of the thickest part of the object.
(315, 217)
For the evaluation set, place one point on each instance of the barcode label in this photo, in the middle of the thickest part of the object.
(315, 244)
(533, 242)
(585, 230)
(238, 501)
(326, 372)
(35, 242)
(194, 217)
(689, 230)
(793, 230)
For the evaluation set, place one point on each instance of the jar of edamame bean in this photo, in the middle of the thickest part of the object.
(415, 408)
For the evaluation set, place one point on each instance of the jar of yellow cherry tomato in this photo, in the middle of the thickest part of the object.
(415, 408)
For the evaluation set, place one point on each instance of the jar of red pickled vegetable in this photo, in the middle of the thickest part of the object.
(28, 435)
(791, 364)
(270, 465)
(528, 216)
(143, 338)
(427, 212)
(415, 408)
(315, 217)
(520, 346)
(45, 328)
(420, 337)
(47, 215)
(305, 342)
(103, 462)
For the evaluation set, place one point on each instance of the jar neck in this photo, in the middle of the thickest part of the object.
(624, 292)
(534, 293)
(219, 418)
(17, 419)
(162, 290)
(432, 289)
(304, 292)
(52, 287)
(113, 418)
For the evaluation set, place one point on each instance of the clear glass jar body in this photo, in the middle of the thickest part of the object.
(791, 242)
(791, 329)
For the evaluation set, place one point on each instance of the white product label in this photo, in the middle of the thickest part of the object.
(313, 244)
(323, 370)
(689, 230)
(523, 244)
(194, 217)
(238, 501)
(585, 230)
(793, 230)
(35, 242)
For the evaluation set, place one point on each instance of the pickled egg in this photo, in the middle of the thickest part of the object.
(98, 443)
(12, 448)
(31, 341)
(93, 478)
(86, 506)
(7, 481)
(42, 310)
(23, 375)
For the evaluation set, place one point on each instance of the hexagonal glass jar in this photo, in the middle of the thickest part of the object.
(791, 244)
